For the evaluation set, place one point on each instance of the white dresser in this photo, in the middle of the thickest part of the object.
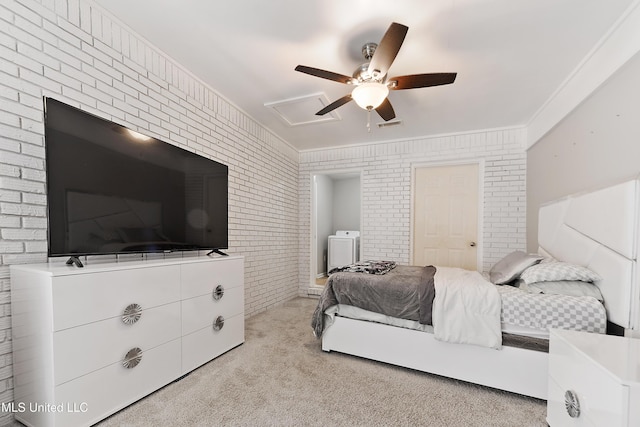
(594, 380)
(89, 341)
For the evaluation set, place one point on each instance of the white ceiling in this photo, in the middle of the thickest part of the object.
(510, 56)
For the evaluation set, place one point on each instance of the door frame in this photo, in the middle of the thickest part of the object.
(480, 163)
(313, 238)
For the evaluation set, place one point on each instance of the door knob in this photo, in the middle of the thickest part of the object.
(472, 244)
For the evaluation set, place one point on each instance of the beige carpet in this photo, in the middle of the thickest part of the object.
(281, 377)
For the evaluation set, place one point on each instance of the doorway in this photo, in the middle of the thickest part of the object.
(336, 200)
(446, 215)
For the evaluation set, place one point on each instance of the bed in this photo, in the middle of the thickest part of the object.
(597, 230)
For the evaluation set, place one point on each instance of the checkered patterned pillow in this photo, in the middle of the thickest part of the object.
(550, 271)
(576, 288)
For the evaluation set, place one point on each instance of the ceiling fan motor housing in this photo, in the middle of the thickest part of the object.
(361, 74)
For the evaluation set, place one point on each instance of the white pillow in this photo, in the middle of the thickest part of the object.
(556, 270)
(509, 268)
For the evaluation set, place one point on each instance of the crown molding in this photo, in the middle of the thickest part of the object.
(613, 50)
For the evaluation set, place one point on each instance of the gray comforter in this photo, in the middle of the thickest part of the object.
(406, 292)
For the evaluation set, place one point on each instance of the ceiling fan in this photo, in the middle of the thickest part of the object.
(370, 79)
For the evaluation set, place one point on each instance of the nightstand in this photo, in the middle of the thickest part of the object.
(594, 380)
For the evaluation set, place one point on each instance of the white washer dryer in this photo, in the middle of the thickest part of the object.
(343, 249)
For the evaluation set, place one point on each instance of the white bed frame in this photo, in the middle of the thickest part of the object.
(598, 229)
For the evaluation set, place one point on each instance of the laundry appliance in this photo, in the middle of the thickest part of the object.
(343, 249)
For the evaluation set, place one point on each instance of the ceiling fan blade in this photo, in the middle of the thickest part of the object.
(385, 110)
(335, 104)
(387, 50)
(421, 80)
(323, 74)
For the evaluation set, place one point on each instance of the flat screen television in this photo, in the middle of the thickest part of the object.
(111, 190)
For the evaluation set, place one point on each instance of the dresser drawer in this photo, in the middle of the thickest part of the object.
(201, 311)
(83, 298)
(557, 415)
(87, 348)
(201, 278)
(602, 399)
(112, 388)
(205, 344)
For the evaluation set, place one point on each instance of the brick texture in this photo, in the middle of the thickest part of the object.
(71, 51)
(386, 191)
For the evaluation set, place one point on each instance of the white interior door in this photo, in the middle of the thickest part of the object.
(445, 228)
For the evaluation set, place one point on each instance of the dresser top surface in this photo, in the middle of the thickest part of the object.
(60, 268)
(620, 356)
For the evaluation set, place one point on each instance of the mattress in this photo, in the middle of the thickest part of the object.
(541, 312)
(523, 314)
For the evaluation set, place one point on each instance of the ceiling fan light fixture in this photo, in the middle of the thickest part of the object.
(370, 95)
(370, 79)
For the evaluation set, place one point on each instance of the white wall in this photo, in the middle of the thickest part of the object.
(69, 50)
(324, 219)
(346, 204)
(596, 145)
(386, 187)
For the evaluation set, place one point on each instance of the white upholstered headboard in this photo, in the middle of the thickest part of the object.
(599, 230)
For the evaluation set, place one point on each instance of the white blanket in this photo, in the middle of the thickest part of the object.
(466, 308)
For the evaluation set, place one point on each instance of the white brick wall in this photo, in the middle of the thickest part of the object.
(386, 187)
(70, 50)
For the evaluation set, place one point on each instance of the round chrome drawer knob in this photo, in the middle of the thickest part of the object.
(218, 323)
(218, 292)
(131, 314)
(572, 404)
(132, 358)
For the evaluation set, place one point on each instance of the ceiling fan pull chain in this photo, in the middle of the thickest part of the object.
(369, 120)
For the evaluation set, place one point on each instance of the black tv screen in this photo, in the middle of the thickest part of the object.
(111, 190)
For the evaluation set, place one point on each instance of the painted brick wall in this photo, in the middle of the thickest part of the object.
(70, 50)
(386, 187)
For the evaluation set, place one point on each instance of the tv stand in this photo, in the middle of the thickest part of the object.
(74, 260)
(217, 251)
(91, 341)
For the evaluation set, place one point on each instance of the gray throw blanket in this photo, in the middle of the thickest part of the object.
(370, 267)
(406, 292)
